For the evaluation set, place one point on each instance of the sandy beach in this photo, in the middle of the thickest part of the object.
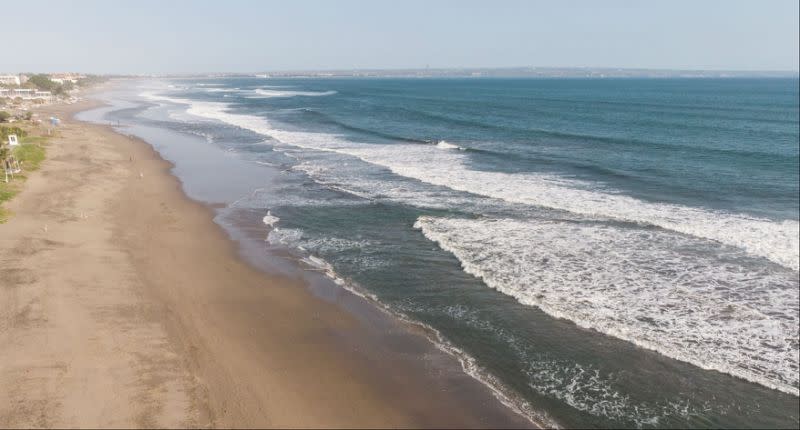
(122, 304)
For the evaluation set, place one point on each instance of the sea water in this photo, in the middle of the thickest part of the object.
(603, 252)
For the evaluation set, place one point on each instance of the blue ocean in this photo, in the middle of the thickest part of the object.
(600, 252)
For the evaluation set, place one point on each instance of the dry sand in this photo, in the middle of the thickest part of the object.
(123, 305)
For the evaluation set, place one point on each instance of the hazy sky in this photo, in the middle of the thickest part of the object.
(169, 36)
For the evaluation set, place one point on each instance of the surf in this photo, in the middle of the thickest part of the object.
(777, 241)
(716, 313)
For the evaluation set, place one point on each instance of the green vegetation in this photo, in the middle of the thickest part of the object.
(6, 193)
(4, 116)
(38, 140)
(44, 83)
(91, 80)
(5, 131)
(30, 154)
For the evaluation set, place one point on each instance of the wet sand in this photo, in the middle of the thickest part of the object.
(122, 304)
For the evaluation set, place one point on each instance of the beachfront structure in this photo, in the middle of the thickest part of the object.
(42, 95)
(9, 80)
(60, 78)
(26, 94)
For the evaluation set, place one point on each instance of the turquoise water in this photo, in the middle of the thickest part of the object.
(605, 252)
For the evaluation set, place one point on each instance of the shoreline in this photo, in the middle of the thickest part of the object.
(328, 285)
(244, 344)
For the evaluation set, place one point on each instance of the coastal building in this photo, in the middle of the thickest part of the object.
(23, 93)
(26, 94)
(60, 78)
(42, 95)
(9, 80)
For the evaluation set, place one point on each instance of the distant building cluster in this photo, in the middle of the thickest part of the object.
(11, 79)
(60, 78)
(13, 86)
(16, 86)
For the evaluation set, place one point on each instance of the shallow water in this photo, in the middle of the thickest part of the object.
(579, 242)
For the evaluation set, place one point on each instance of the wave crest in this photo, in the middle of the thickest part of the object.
(699, 303)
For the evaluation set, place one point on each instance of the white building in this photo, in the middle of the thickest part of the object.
(9, 80)
(26, 94)
(42, 95)
(23, 93)
(60, 78)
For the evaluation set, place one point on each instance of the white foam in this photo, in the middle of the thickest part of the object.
(294, 238)
(443, 144)
(162, 98)
(318, 263)
(691, 301)
(284, 236)
(582, 386)
(471, 367)
(778, 241)
(222, 90)
(272, 93)
(270, 220)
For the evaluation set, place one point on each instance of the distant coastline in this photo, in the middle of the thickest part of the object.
(490, 72)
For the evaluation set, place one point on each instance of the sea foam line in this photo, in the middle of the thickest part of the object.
(291, 238)
(580, 387)
(696, 307)
(266, 93)
(778, 241)
(786, 230)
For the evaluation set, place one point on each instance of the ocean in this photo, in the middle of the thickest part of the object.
(601, 252)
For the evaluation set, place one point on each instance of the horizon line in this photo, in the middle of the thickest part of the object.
(530, 69)
(435, 69)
